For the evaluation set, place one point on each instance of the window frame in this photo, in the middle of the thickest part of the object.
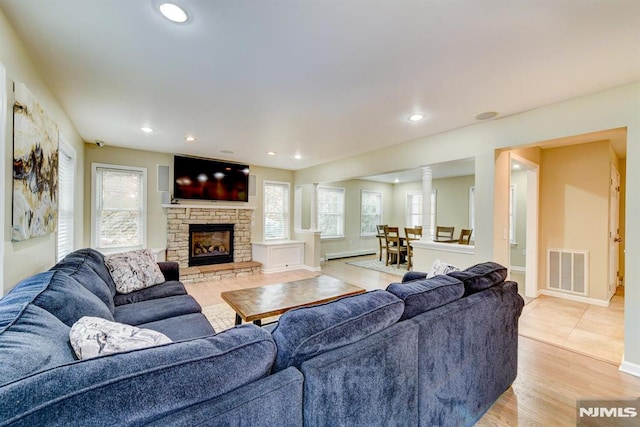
(65, 149)
(374, 232)
(341, 215)
(286, 214)
(94, 206)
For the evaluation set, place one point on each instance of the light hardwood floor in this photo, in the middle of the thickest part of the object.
(553, 372)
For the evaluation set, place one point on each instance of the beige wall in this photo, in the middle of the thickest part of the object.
(21, 259)
(574, 208)
(156, 215)
(452, 201)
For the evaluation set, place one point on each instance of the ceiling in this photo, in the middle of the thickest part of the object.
(324, 79)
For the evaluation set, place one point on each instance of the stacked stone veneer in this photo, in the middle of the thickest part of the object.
(178, 220)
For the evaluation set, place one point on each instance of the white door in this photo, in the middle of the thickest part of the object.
(614, 230)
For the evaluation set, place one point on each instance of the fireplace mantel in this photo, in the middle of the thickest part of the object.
(203, 206)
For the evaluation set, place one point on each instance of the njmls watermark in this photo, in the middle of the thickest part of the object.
(608, 413)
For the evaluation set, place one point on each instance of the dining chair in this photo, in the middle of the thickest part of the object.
(444, 234)
(465, 236)
(381, 241)
(411, 234)
(394, 245)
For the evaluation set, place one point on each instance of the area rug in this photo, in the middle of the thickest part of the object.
(222, 317)
(374, 264)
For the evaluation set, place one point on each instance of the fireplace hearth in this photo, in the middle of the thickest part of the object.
(210, 244)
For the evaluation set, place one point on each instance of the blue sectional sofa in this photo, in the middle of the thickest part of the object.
(435, 351)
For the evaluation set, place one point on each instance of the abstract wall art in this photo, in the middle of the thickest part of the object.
(35, 168)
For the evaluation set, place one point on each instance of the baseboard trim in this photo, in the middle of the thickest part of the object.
(349, 254)
(576, 298)
(630, 368)
(516, 268)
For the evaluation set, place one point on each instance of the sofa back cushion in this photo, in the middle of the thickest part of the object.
(88, 268)
(65, 298)
(308, 331)
(426, 294)
(480, 276)
(31, 339)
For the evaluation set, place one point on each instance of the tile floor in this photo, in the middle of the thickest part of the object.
(587, 329)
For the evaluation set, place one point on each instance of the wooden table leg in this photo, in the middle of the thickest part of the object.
(238, 319)
(257, 322)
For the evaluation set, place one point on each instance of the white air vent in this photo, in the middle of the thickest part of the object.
(568, 270)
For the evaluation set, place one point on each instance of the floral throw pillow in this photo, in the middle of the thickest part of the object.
(94, 336)
(441, 267)
(134, 270)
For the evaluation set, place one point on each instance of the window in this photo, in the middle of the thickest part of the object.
(370, 212)
(414, 210)
(331, 212)
(512, 214)
(66, 186)
(276, 210)
(118, 207)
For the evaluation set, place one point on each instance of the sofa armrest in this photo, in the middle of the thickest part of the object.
(170, 269)
(140, 386)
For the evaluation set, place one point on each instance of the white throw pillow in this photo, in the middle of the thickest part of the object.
(134, 270)
(94, 336)
(441, 267)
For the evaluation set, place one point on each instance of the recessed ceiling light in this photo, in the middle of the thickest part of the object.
(271, 153)
(416, 117)
(190, 138)
(173, 12)
(396, 180)
(297, 156)
(146, 129)
(486, 116)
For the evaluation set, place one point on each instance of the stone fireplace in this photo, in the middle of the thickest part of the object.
(210, 244)
(180, 218)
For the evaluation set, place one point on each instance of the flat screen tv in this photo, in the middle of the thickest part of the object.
(208, 179)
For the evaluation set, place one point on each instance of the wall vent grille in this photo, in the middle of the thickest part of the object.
(568, 270)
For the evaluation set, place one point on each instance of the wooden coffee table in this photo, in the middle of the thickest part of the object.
(254, 304)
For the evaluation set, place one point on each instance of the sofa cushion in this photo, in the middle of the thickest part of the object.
(480, 276)
(65, 298)
(187, 326)
(166, 289)
(31, 339)
(426, 294)
(158, 309)
(93, 337)
(88, 268)
(134, 270)
(308, 331)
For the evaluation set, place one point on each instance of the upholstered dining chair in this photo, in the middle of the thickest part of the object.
(465, 236)
(381, 241)
(444, 234)
(411, 234)
(393, 243)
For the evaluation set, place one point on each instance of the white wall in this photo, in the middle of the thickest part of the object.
(21, 259)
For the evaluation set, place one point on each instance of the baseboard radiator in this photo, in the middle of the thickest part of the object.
(568, 270)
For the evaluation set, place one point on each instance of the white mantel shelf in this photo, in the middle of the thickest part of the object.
(196, 206)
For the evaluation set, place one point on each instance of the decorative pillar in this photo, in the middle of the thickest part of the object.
(426, 203)
(314, 206)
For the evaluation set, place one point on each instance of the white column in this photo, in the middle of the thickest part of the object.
(426, 203)
(314, 207)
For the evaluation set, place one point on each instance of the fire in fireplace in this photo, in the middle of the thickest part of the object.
(210, 244)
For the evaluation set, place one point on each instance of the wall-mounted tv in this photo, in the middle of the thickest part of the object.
(209, 179)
